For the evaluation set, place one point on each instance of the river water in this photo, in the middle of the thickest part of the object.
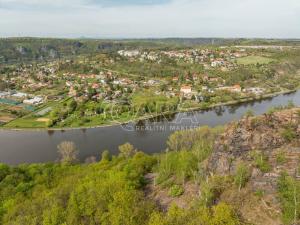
(150, 135)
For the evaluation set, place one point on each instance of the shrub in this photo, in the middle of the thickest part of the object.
(259, 193)
(176, 190)
(289, 193)
(261, 161)
(280, 157)
(242, 176)
(178, 165)
(288, 134)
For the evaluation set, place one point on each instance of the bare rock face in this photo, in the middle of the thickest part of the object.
(264, 134)
(268, 136)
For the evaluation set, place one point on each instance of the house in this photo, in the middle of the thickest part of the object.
(209, 90)
(213, 79)
(68, 83)
(125, 81)
(195, 77)
(153, 82)
(205, 78)
(235, 88)
(175, 79)
(34, 101)
(132, 53)
(19, 95)
(95, 86)
(186, 90)
(255, 90)
(72, 92)
(4, 94)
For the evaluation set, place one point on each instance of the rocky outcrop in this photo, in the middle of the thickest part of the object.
(271, 134)
(276, 138)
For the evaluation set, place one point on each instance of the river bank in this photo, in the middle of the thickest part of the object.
(30, 146)
(146, 117)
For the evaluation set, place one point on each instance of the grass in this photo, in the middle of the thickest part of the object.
(254, 60)
(25, 123)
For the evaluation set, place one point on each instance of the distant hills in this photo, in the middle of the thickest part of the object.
(27, 49)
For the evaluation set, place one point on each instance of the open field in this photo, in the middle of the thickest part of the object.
(254, 60)
(5, 118)
(26, 123)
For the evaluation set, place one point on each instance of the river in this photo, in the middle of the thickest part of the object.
(149, 136)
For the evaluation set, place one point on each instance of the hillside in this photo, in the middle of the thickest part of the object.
(16, 50)
(268, 146)
(245, 173)
(24, 49)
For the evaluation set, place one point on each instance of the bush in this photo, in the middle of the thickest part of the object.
(176, 190)
(176, 165)
(242, 176)
(261, 161)
(4, 171)
(289, 193)
(288, 134)
(280, 157)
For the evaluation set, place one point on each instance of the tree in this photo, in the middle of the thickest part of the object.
(105, 156)
(67, 151)
(128, 207)
(224, 214)
(3, 86)
(72, 105)
(4, 171)
(127, 150)
(157, 218)
(289, 192)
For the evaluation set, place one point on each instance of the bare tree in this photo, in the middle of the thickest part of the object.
(68, 152)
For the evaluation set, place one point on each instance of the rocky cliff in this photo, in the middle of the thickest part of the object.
(267, 145)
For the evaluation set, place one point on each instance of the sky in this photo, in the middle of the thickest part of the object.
(150, 18)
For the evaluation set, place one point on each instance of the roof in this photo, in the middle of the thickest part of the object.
(186, 87)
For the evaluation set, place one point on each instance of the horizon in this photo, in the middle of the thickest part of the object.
(145, 38)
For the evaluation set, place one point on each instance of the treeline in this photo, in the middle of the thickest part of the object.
(17, 50)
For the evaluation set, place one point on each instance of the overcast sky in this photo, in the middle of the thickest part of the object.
(150, 18)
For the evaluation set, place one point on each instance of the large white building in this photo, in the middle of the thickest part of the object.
(34, 101)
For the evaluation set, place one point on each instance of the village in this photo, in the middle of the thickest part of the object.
(223, 58)
(28, 88)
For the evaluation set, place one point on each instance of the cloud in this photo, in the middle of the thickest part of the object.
(180, 18)
(55, 4)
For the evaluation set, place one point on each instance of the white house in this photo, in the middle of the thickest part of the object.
(4, 94)
(255, 90)
(19, 95)
(186, 90)
(34, 101)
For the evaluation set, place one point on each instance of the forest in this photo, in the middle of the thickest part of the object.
(113, 190)
(133, 188)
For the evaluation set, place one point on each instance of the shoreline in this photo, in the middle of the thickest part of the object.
(235, 102)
